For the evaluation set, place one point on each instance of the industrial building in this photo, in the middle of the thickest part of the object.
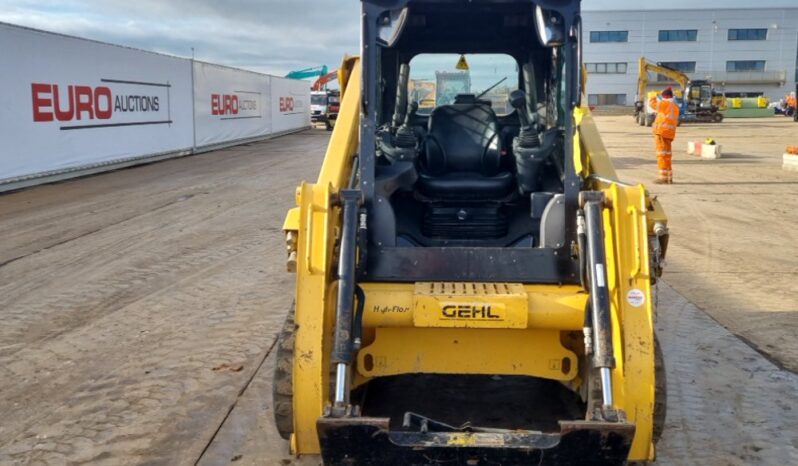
(744, 52)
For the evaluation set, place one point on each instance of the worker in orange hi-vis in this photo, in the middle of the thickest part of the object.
(664, 133)
(791, 103)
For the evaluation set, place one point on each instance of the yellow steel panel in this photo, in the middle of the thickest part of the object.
(337, 164)
(537, 353)
(592, 148)
(632, 323)
(556, 307)
(309, 376)
(627, 224)
(476, 439)
(470, 305)
(548, 306)
(578, 155)
(317, 225)
(465, 439)
(388, 305)
(292, 220)
(345, 71)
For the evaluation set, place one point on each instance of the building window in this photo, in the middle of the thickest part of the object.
(609, 36)
(748, 34)
(606, 68)
(683, 66)
(606, 99)
(679, 35)
(745, 65)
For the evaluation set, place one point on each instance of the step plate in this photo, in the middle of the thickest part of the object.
(470, 305)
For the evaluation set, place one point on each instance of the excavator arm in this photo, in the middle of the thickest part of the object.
(320, 83)
(646, 67)
(308, 72)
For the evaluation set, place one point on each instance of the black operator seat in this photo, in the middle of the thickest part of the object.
(463, 153)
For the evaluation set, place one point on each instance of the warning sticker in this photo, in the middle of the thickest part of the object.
(462, 64)
(635, 297)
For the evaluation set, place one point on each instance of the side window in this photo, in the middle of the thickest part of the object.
(436, 79)
(609, 36)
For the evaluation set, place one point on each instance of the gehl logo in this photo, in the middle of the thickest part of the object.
(469, 311)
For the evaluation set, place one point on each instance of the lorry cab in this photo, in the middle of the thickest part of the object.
(318, 106)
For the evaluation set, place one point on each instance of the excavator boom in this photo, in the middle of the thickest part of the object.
(646, 67)
(321, 83)
(697, 103)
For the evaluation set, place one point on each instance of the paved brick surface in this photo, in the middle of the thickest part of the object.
(733, 221)
(121, 293)
(727, 405)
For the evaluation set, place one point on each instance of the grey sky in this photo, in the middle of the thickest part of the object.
(273, 36)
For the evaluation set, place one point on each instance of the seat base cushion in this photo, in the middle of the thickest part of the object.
(466, 185)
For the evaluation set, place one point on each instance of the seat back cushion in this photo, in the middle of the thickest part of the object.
(463, 138)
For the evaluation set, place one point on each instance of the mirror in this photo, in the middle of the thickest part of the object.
(549, 26)
(391, 25)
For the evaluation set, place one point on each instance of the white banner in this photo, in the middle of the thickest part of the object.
(290, 105)
(230, 104)
(69, 103)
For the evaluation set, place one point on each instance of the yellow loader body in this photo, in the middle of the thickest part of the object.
(500, 329)
(407, 333)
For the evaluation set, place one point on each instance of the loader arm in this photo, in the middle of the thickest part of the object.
(636, 241)
(593, 161)
(312, 229)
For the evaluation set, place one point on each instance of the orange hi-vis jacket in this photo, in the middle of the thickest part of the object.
(791, 101)
(667, 117)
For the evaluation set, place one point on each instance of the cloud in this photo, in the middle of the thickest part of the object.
(603, 5)
(263, 35)
(273, 36)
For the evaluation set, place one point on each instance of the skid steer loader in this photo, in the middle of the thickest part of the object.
(473, 284)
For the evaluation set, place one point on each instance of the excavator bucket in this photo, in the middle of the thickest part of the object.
(370, 441)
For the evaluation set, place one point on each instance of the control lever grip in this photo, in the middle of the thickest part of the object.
(411, 110)
(518, 102)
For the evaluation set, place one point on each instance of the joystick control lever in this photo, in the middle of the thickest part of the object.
(528, 136)
(518, 102)
(411, 110)
(405, 137)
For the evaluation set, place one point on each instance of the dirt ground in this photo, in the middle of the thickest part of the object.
(733, 221)
(138, 308)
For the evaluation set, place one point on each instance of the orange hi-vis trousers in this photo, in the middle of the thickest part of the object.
(664, 156)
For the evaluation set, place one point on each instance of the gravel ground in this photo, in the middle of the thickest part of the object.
(733, 221)
(139, 307)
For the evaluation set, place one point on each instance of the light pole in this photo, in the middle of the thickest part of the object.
(193, 108)
(712, 47)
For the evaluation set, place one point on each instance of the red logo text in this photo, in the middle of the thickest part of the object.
(286, 104)
(224, 104)
(78, 102)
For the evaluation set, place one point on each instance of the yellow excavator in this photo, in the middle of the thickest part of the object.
(473, 284)
(698, 101)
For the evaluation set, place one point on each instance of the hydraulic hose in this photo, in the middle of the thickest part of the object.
(342, 353)
(603, 357)
(581, 243)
